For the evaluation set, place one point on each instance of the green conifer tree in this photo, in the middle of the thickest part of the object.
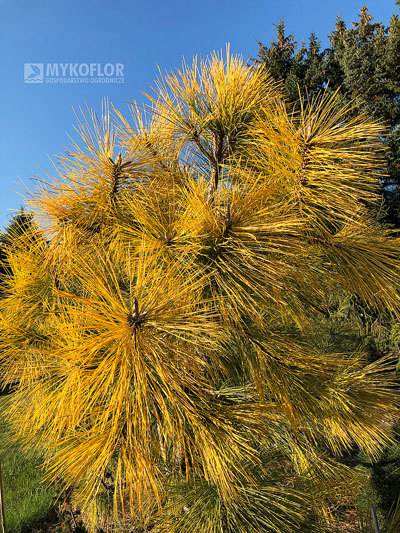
(363, 62)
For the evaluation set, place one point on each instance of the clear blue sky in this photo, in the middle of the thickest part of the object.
(35, 118)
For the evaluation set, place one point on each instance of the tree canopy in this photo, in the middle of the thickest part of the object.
(163, 336)
(363, 62)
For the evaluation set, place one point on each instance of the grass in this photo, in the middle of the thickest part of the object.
(27, 501)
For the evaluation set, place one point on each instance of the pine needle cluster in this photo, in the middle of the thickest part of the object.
(159, 319)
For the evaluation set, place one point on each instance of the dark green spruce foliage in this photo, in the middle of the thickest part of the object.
(363, 61)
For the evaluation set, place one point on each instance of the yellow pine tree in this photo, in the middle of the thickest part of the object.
(159, 322)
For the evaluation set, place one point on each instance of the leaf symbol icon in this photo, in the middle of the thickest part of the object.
(35, 72)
